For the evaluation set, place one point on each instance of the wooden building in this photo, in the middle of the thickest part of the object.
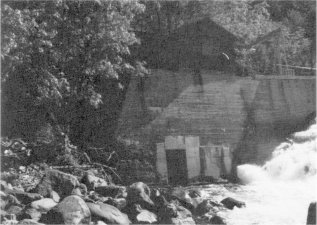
(200, 43)
(204, 128)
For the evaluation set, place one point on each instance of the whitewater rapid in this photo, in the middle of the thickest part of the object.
(280, 191)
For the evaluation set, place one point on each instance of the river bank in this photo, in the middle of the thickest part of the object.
(279, 192)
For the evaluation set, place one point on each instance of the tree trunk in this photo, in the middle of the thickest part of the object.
(158, 39)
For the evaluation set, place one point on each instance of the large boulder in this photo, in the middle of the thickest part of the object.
(230, 203)
(58, 181)
(44, 205)
(72, 210)
(107, 213)
(311, 216)
(139, 193)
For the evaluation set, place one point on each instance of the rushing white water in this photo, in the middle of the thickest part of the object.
(280, 191)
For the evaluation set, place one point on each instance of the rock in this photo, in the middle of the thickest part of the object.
(204, 207)
(111, 191)
(107, 213)
(8, 176)
(217, 220)
(176, 214)
(10, 186)
(146, 217)
(55, 196)
(60, 182)
(230, 203)
(119, 203)
(311, 216)
(29, 222)
(164, 209)
(72, 210)
(80, 190)
(188, 198)
(132, 210)
(139, 193)
(139, 215)
(30, 213)
(100, 223)
(4, 185)
(211, 218)
(3, 215)
(9, 200)
(182, 212)
(181, 221)
(14, 210)
(18, 189)
(13, 200)
(95, 197)
(83, 189)
(3, 202)
(91, 181)
(24, 197)
(77, 191)
(44, 205)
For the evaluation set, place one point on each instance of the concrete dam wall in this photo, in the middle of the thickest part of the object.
(250, 115)
(276, 107)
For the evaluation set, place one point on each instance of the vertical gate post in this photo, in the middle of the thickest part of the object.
(161, 162)
(193, 157)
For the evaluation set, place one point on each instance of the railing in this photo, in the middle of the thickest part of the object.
(298, 70)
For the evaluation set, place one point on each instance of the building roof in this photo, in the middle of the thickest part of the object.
(204, 26)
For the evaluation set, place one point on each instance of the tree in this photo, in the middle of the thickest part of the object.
(58, 56)
(299, 19)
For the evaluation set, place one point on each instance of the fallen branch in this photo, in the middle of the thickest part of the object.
(87, 157)
(109, 168)
(65, 167)
(111, 154)
(89, 166)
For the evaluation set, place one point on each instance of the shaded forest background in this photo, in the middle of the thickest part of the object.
(66, 65)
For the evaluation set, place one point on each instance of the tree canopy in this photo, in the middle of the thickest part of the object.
(57, 54)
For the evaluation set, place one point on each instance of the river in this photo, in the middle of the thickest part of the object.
(278, 192)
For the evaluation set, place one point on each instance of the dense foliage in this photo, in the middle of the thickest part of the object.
(62, 60)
